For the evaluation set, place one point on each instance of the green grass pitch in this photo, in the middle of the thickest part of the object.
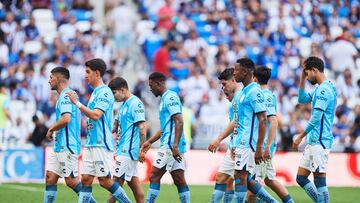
(33, 193)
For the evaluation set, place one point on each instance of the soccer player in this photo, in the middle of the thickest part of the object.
(266, 170)
(63, 161)
(99, 146)
(224, 187)
(171, 154)
(249, 132)
(318, 130)
(130, 127)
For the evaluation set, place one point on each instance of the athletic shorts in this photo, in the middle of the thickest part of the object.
(64, 164)
(164, 159)
(244, 159)
(315, 158)
(97, 161)
(227, 165)
(125, 167)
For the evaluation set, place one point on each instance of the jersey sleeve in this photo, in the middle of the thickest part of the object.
(173, 104)
(304, 97)
(322, 98)
(257, 101)
(65, 104)
(270, 103)
(104, 100)
(138, 111)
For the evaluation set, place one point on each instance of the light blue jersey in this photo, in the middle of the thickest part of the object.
(232, 113)
(270, 104)
(170, 105)
(129, 114)
(99, 132)
(323, 98)
(68, 137)
(250, 103)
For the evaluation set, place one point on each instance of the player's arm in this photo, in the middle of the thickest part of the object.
(179, 126)
(303, 97)
(273, 124)
(61, 123)
(142, 130)
(261, 116)
(228, 130)
(147, 144)
(92, 114)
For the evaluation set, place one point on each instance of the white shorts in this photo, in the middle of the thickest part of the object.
(125, 166)
(227, 165)
(63, 164)
(97, 161)
(315, 158)
(244, 160)
(265, 170)
(164, 158)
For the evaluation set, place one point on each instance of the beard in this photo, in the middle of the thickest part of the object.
(313, 82)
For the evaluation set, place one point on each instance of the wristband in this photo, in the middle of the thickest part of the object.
(79, 104)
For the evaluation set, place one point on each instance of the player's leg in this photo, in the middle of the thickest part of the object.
(220, 187)
(138, 192)
(120, 181)
(320, 183)
(179, 180)
(273, 184)
(51, 187)
(240, 177)
(103, 164)
(226, 170)
(304, 182)
(320, 161)
(257, 189)
(154, 188)
(229, 193)
(87, 176)
(52, 175)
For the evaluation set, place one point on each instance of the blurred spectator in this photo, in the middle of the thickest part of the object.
(4, 115)
(161, 59)
(38, 135)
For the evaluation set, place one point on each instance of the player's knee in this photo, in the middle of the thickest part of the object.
(154, 178)
(221, 178)
(268, 182)
(105, 182)
(302, 180)
(50, 180)
(179, 180)
(71, 182)
(319, 181)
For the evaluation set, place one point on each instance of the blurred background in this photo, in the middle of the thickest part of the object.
(191, 42)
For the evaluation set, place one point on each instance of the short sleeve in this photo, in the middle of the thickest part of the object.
(270, 103)
(138, 111)
(104, 100)
(173, 104)
(322, 98)
(65, 104)
(257, 101)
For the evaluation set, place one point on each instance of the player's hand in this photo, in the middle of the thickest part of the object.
(266, 155)
(213, 145)
(49, 134)
(141, 156)
(72, 97)
(176, 154)
(258, 155)
(296, 142)
(232, 154)
(145, 147)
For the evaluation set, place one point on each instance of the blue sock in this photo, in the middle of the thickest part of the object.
(308, 186)
(240, 191)
(85, 194)
(118, 192)
(77, 190)
(287, 199)
(218, 192)
(184, 194)
(50, 193)
(153, 192)
(229, 196)
(261, 193)
(323, 193)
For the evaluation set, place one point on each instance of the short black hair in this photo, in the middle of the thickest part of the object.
(118, 83)
(246, 63)
(61, 71)
(262, 74)
(314, 62)
(96, 64)
(227, 74)
(157, 76)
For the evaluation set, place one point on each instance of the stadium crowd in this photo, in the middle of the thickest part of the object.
(190, 42)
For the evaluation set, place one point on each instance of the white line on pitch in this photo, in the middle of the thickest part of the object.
(20, 187)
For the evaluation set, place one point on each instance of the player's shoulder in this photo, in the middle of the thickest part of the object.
(136, 101)
(326, 88)
(171, 95)
(105, 91)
